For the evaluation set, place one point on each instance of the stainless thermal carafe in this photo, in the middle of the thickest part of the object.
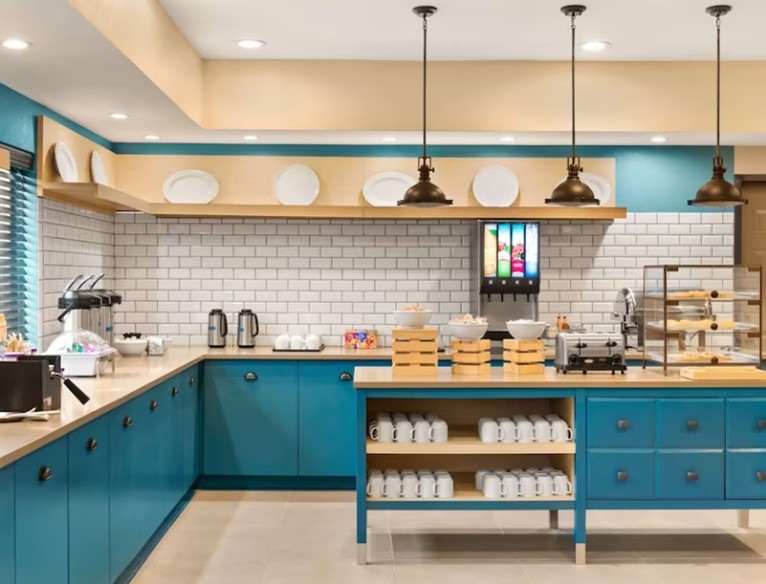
(247, 328)
(217, 328)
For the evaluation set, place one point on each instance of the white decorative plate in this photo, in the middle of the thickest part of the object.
(65, 162)
(97, 170)
(190, 186)
(598, 184)
(296, 184)
(386, 188)
(495, 186)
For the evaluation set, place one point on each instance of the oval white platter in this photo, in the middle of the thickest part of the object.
(386, 188)
(65, 162)
(296, 184)
(495, 186)
(191, 187)
(97, 170)
(597, 183)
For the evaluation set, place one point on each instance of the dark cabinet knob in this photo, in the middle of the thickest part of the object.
(174, 391)
(92, 444)
(251, 376)
(760, 475)
(153, 405)
(691, 476)
(692, 425)
(345, 376)
(623, 424)
(622, 476)
(127, 422)
(714, 326)
(761, 424)
(45, 474)
(192, 380)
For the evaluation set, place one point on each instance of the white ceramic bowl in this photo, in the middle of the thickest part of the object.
(130, 347)
(466, 331)
(412, 318)
(525, 330)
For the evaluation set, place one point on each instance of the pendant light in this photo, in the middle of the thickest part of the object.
(718, 192)
(424, 193)
(573, 192)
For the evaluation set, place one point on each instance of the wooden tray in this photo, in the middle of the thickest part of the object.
(524, 369)
(527, 357)
(471, 346)
(482, 369)
(523, 346)
(722, 373)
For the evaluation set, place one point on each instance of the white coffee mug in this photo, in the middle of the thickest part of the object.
(374, 423)
(441, 471)
(560, 431)
(526, 431)
(424, 471)
(383, 431)
(561, 485)
(391, 485)
(431, 416)
(375, 485)
(398, 416)
(403, 431)
(511, 484)
(415, 417)
(518, 418)
(490, 431)
(421, 431)
(542, 430)
(427, 486)
(548, 469)
(439, 431)
(535, 417)
(479, 478)
(313, 342)
(297, 343)
(445, 488)
(552, 417)
(282, 342)
(508, 427)
(407, 471)
(528, 486)
(408, 489)
(493, 487)
(544, 485)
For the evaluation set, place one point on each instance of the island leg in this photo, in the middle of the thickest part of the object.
(743, 518)
(553, 519)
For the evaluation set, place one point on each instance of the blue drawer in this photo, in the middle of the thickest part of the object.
(620, 423)
(690, 423)
(690, 475)
(621, 475)
(746, 475)
(746, 423)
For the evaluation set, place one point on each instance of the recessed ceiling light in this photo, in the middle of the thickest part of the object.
(389, 139)
(16, 44)
(594, 46)
(119, 116)
(659, 139)
(250, 44)
(151, 137)
(250, 137)
(507, 139)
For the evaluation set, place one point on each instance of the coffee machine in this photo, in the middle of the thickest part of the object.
(505, 273)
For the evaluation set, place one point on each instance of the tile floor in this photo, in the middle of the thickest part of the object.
(231, 537)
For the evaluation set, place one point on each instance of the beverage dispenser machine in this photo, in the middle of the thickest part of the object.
(505, 274)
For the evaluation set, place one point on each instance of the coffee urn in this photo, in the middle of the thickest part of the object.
(217, 329)
(247, 328)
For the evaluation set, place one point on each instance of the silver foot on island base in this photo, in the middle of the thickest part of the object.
(361, 554)
(553, 519)
(743, 518)
(580, 554)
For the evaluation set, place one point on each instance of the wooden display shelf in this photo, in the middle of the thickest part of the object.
(466, 441)
(95, 197)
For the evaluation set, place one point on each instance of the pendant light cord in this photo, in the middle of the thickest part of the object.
(574, 142)
(718, 88)
(425, 82)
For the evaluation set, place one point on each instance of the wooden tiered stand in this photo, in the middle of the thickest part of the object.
(470, 357)
(415, 351)
(523, 357)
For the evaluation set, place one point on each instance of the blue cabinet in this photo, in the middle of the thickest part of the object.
(683, 474)
(690, 423)
(190, 384)
(158, 436)
(746, 423)
(620, 423)
(42, 534)
(89, 503)
(621, 474)
(746, 475)
(7, 525)
(251, 418)
(172, 475)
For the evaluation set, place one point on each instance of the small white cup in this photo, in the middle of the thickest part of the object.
(282, 342)
(383, 430)
(427, 486)
(528, 486)
(439, 431)
(421, 431)
(561, 485)
(408, 489)
(313, 342)
(403, 431)
(445, 488)
(297, 343)
(494, 487)
(391, 484)
(375, 485)
(508, 427)
(542, 430)
(544, 485)
(526, 431)
(489, 431)
(561, 432)
(510, 484)
(479, 478)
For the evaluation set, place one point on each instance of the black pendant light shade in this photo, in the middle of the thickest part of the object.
(718, 192)
(573, 192)
(424, 193)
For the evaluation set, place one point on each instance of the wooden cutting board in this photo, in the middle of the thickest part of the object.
(723, 373)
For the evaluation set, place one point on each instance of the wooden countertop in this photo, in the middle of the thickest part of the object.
(635, 377)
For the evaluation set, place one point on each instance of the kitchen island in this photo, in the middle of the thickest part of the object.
(641, 441)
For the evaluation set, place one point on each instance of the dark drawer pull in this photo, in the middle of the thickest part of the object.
(45, 474)
(192, 381)
(346, 376)
(622, 476)
(174, 391)
(153, 405)
(623, 424)
(92, 444)
(692, 425)
(251, 376)
(127, 422)
(691, 476)
(760, 475)
(761, 424)
(581, 346)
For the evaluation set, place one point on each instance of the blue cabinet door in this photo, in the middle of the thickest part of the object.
(158, 437)
(42, 535)
(7, 525)
(620, 423)
(684, 474)
(690, 423)
(191, 426)
(174, 472)
(745, 474)
(250, 418)
(89, 503)
(326, 418)
(746, 423)
(620, 474)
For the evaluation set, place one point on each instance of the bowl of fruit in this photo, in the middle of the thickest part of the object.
(413, 316)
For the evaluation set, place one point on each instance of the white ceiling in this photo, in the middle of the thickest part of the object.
(466, 29)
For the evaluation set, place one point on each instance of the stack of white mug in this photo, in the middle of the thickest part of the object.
(408, 428)
(408, 484)
(534, 428)
(517, 482)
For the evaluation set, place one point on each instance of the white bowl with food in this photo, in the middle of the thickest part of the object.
(467, 328)
(412, 317)
(526, 330)
(130, 347)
